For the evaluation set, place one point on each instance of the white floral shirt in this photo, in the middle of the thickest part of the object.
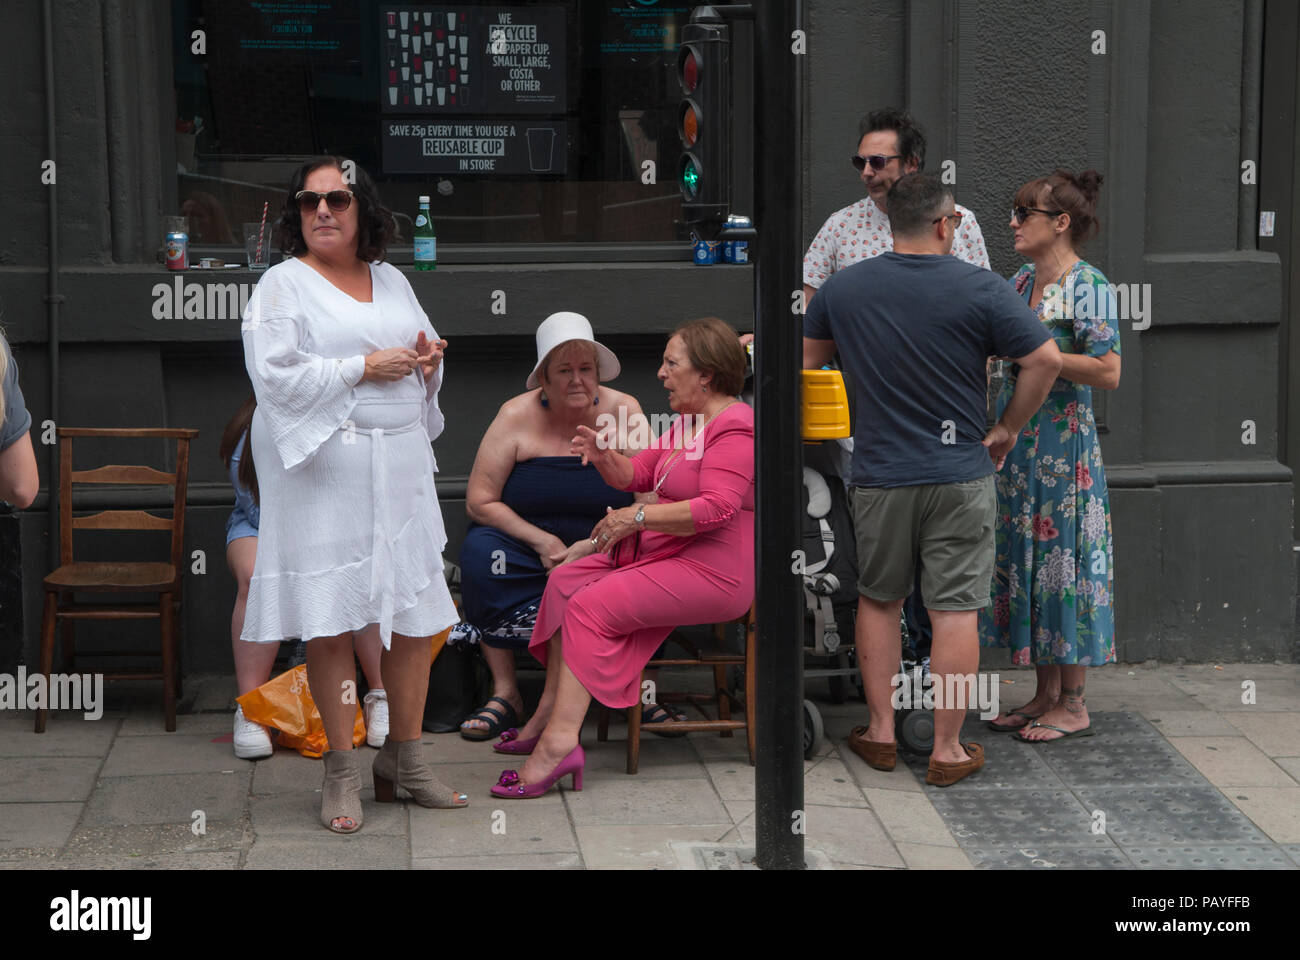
(860, 231)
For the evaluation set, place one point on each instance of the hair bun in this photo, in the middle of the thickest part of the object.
(1089, 182)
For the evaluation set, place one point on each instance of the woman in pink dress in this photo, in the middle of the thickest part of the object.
(687, 559)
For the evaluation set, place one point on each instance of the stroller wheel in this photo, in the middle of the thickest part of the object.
(915, 730)
(813, 732)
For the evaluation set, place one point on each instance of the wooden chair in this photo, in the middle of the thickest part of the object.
(721, 698)
(163, 579)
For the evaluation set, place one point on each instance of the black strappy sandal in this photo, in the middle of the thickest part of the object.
(496, 720)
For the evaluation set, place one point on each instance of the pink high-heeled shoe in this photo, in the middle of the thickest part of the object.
(509, 787)
(511, 744)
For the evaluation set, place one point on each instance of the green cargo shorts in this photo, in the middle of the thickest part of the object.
(948, 526)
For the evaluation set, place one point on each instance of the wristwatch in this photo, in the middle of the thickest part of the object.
(639, 519)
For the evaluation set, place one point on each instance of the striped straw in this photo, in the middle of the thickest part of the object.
(261, 230)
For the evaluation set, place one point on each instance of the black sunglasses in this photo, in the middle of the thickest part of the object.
(337, 200)
(1020, 214)
(876, 160)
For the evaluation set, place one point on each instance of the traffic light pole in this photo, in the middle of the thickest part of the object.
(778, 786)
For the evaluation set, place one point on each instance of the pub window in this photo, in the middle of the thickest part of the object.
(527, 122)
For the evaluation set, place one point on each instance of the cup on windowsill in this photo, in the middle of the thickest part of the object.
(257, 245)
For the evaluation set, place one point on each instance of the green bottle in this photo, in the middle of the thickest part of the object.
(426, 242)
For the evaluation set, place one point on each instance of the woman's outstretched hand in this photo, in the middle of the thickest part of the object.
(429, 354)
(590, 445)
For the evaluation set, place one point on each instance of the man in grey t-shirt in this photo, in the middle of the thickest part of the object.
(913, 328)
(19, 481)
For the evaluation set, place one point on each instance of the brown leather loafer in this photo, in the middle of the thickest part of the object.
(882, 756)
(945, 774)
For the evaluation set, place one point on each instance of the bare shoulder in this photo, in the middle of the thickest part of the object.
(617, 398)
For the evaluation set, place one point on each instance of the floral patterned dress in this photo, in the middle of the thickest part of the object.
(1053, 586)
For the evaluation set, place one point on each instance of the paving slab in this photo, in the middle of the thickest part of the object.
(167, 798)
(908, 820)
(921, 856)
(642, 847)
(633, 801)
(48, 779)
(1275, 810)
(1010, 857)
(64, 736)
(1232, 762)
(849, 835)
(529, 861)
(155, 840)
(1291, 765)
(1190, 723)
(492, 827)
(659, 760)
(144, 723)
(37, 825)
(176, 753)
(1225, 857)
(829, 783)
(330, 851)
(1164, 816)
(1276, 733)
(1030, 817)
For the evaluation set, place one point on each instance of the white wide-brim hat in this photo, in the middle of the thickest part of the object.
(560, 328)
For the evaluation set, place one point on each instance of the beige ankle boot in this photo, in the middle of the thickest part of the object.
(341, 792)
(399, 764)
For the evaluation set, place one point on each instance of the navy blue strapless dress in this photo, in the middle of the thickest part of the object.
(502, 579)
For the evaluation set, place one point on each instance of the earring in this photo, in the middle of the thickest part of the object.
(543, 396)
(596, 401)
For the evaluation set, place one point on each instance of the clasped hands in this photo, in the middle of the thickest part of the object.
(397, 363)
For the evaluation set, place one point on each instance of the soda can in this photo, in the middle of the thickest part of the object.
(704, 253)
(715, 251)
(178, 251)
(737, 251)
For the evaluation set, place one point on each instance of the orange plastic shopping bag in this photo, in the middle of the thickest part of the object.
(285, 703)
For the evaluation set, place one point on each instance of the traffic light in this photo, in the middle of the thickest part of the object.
(704, 120)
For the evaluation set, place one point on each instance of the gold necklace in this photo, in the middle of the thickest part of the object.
(673, 458)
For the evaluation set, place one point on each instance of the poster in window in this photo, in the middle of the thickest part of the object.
(267, 29)
(473, 60)
(475, 147)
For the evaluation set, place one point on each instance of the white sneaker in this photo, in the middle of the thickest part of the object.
(375, 708)
(251, 739)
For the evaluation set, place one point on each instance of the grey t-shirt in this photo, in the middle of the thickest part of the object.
(913, 332)
(17, 420)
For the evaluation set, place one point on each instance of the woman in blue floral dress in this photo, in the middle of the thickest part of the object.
(1053, 590)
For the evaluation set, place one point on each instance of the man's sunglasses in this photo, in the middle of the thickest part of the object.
(337, 200)
(876, 160)
(956, 216)
(1021, 214)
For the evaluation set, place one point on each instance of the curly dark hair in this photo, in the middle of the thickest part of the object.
(911, 141)
(375, 224)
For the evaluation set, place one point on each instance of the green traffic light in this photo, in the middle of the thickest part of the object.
(690, 177)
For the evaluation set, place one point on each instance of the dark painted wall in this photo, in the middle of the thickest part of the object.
(1203, 522)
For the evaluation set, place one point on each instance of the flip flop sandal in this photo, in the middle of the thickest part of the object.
(1064, 734)
(660, 713)
(496, 720)
(1008, 727)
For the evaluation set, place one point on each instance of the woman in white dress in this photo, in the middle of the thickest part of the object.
(347, 368)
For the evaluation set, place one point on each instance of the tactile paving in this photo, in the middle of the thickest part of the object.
(1014, 818)
(1047, 858)
(1137, 763)
(1160, 816)
(1292, 850)
(1226, 857)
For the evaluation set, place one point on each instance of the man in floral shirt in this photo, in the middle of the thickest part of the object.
(889, 145)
